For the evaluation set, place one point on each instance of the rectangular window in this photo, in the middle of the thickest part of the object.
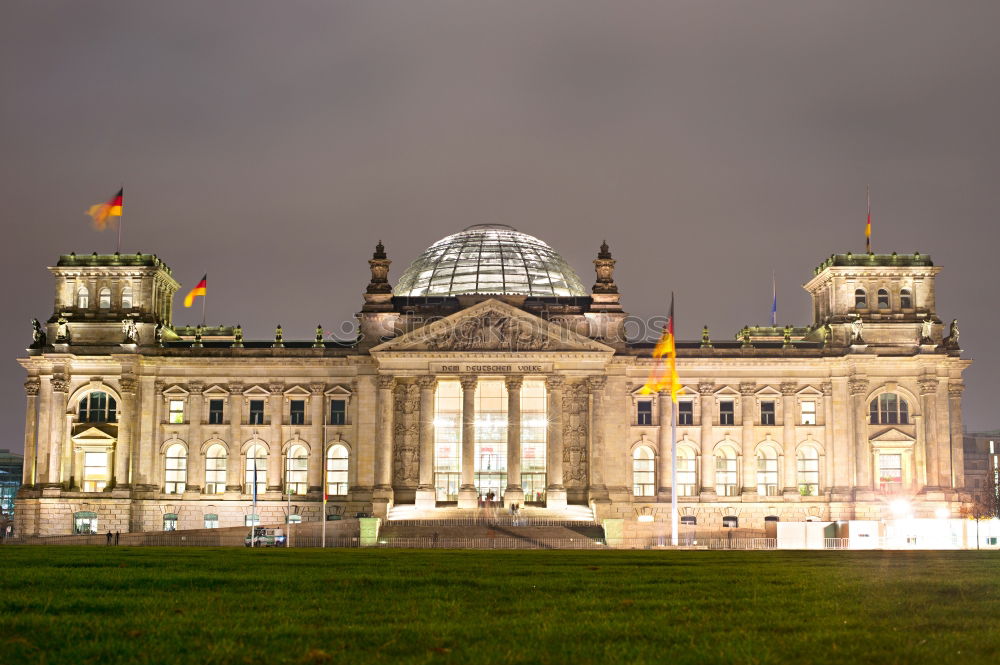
(215, 407)
(176, 412)
(251, 520)
(447, 440)
(644, 412)
(727, 412)
(689, 520)
(338, 412)
(807, 467)
(211, 521)
(725, 476)
(890, 475)
(95, 472)
(767, 412)
(808, 409)
(685, 412)
(297, 412)
(170, 522)
(767, 476)
(256, 412)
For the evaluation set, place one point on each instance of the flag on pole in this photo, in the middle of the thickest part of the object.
(198, 290)
(868, 224)
(663, 376)
(100, 212)
(774, 302)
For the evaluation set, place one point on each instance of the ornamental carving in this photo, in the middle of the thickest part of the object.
(385, 381)
(554, 383)
(196, 387)
(706, 388)
(31, 386)
(514, 383)
(468, 383)
(406, 445)
(858, 386)
(574, 426)
(317, 388)
(788, 388)
(956, 389)
(826, 388)
(491, 331)
(59, 383)
(748, 388)
(127, 384)
(928, 386)
(276, 388)
(235, 388)
(427, 382)
(597, 383)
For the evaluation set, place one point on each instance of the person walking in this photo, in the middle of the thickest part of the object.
(109, 536)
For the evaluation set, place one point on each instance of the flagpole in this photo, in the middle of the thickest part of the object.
(204, 299)
(323, 516)
(121, 223)
(774, 302)
(868, 223)
(674, 540)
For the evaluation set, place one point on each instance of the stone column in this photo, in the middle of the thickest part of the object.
(514, 493)
(829, 457)
(556, 491)
(707, 391)
(124, 448)
(234, 461)
(144, 437)
(195, 460)
(928, 405)
(275, 468)
(317, 443)
(30, 431)
(748, 401)
(955, 391)
(942, 418)
(385, 429)
(467, 495)
(58, 446)
(841, 427)
(598, 425)
(788, 391)
(44, 444)
(862, 447)
(425, 497)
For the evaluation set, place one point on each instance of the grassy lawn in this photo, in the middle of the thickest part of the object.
(150, 605)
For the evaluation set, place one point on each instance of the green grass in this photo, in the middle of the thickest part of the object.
(152, 605)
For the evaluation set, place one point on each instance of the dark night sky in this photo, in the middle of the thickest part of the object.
(272, 144)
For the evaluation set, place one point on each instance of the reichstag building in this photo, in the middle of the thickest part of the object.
(489, 370)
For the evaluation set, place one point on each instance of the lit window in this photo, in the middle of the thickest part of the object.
(860, 299)
(685, 412)
(767, 471)
(176, 412)
(256, 412)
(104, 298)
(215, 469)
(727, 412)
(889, 409)
(643, 473)
(448, 440)
(256, 470)
(890, 476)
(730, 522)
(251, 520)
(170, 522)
(336, 470)
(294, 519)
(82, 298)
(296, 468)
(95, 471)
(215, 411)
(85, 522)
(338, 412)
(175, 469)
(211, 521)
(98, 407)
(689, 520)
(767, 412)
(808, 411)
(644, 412)
(771, 518)
(534, 434)
(127, 297)
(807, 469)
(687, 474)
(297, 412)
(883, 299)
(725, 472)
(905, 299)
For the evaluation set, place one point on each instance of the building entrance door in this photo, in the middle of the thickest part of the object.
(487, 482)
(446, 486)
(534, 487)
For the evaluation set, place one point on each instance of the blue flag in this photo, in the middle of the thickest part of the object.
(774, 302)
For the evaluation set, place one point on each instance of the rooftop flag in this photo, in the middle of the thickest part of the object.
(663, 376)
(868, 225)
(100, 212)
(774, 302)
(199, 290)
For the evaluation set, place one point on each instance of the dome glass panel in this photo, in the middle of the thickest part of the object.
(489, 259)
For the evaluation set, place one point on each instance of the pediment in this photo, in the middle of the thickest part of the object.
(768, 391)
(216, 391)
(338, 391)
(93, 435)
(175, 391)
(492, 325)
(297, 391)
(256, 391)
(893, 435)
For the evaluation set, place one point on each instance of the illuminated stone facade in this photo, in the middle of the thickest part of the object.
(446, 397)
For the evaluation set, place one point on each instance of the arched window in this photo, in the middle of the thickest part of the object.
(127, 297)
(767, 471)
(175, 479)
(883, 299)
(215, 469)
(687, 472)
(98, 407)
(725, 471)
(336, 470)
(807, 471)
(82, 297)
(256, 469)
(296, 469)
(905, 299)
(860, 299)
(104, 298)
(889, 409)
(643, 472)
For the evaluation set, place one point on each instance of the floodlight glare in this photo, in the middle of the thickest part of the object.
(942, 513)
(645, 518)
(900, 507)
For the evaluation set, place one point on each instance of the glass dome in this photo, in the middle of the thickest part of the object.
(489, 259)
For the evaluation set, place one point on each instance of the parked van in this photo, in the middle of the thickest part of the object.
(265, 537)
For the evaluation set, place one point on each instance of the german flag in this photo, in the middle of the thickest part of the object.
(100, 212)
(198, 290)
(663, 376)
